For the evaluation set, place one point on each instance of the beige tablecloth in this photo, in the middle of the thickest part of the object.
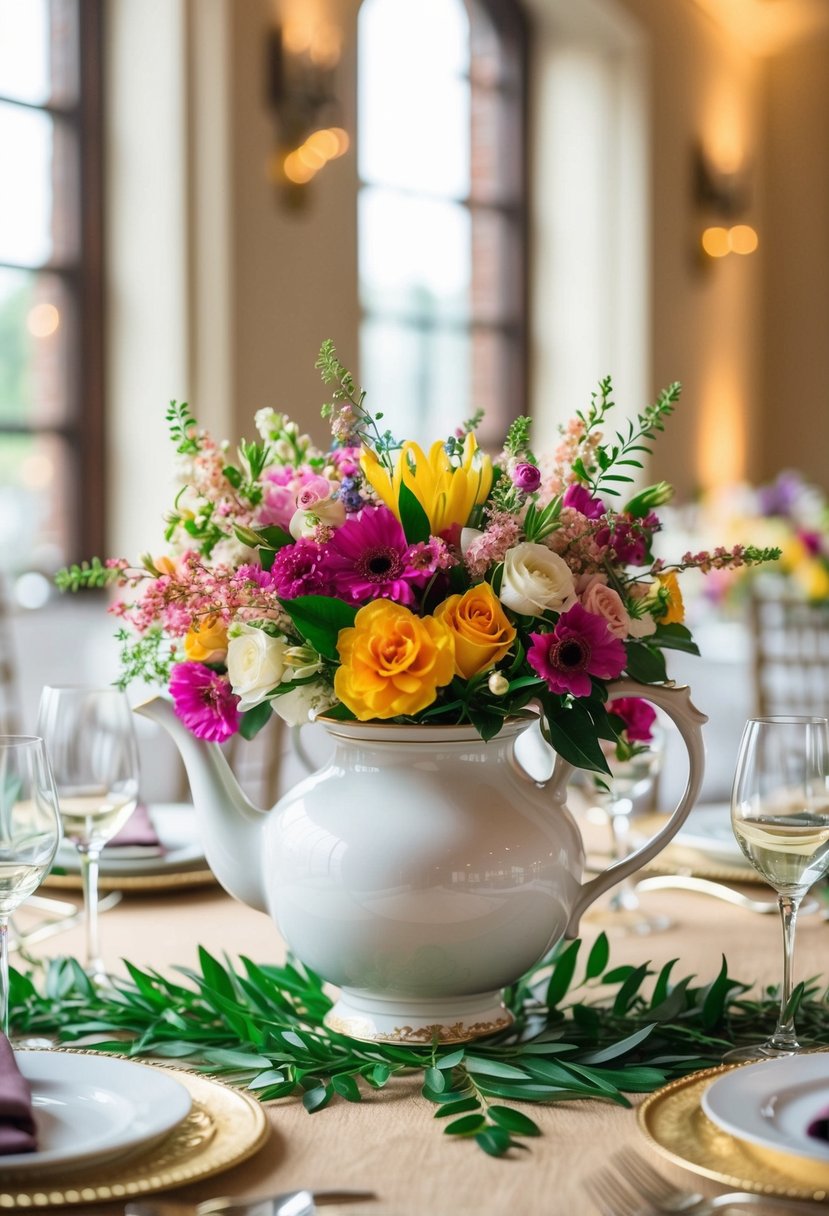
(390, 1143)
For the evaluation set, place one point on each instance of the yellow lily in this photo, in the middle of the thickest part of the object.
(446, 492)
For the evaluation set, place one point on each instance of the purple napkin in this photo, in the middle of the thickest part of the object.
(137, 831)
(819, 1127)
(17, 1125)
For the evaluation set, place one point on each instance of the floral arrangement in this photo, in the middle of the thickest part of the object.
(380, 582)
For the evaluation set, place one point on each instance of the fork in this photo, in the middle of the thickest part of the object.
(629, 1186)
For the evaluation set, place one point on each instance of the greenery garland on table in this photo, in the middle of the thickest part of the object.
(597, 1036)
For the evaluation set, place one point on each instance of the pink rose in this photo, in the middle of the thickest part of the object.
(603, 601)
(316, 489)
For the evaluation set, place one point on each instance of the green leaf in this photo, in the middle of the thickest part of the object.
(674, 637)
(620, 1048)
(598, 957)
(435, 1080)
(484, 1066)
(252, 720)
(495, 1141)
(346, 1087)
(317, 1098)
(713, 1007)
(457, 1108)
(319, 619)
(413, 518)
(513, 1121)
(562, 976)
(629, 989)
(452, 1060)
(466, 1126)
(572, 733)
(645, 664)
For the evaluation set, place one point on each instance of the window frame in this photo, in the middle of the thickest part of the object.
(511, 24)
(82, 279)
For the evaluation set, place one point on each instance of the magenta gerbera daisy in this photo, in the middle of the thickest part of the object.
(368, 557)
(580, 646)
(203, 700)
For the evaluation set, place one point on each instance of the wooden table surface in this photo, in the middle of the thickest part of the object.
(390, 1143)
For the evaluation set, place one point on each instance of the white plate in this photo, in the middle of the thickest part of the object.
(90, 1108)
(178, 830)
(708, 830)
(771, 1103)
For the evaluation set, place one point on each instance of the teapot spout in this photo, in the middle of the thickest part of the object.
(231, 825)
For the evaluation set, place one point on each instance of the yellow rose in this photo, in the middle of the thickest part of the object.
(392, 662)
(675, 610)
(207, 642)
(479, 625)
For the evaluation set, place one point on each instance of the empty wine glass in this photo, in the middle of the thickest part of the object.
(91, 741)
(29, 835)
(780, 816)
(628, 791)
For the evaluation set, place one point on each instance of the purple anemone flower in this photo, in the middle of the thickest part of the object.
(580, 499)
(203, 700)
(580, 646)
(368, 557)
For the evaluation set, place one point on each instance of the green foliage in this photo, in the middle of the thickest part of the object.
(348, 402)
(147, 657)
(183, 428)
(413, 518)
(319, 619)
(590, 1031)
(604, 474)
(93, 574)
(517, 442)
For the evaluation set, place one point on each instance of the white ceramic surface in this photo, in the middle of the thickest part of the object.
(178, 830)
(420, 870)
(771, 1103)
(90, 1108)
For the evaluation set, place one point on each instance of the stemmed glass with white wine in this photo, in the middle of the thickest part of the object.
(91, 741)
(29, 835)
(780, 816)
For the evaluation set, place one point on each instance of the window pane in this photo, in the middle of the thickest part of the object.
(35, 341)
(38, 50)
(414, 255)
(418, 377)
(35, 490)
(40, 154)
(414, 95)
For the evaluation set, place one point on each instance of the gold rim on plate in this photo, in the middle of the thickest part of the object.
(674, 1123)
(163, 881)
(225, 1126)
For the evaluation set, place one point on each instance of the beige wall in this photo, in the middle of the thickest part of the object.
(796, 231)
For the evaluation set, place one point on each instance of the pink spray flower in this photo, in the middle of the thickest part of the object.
(580, 646)
(203, 700)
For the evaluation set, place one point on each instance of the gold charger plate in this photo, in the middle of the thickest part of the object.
(225, 1126)
(169, 880)
(673, 1121)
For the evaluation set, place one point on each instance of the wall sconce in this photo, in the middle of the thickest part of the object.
(301, 78)
(722, 195)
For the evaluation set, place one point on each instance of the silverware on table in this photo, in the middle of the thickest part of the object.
(289, 1203)
(705, 886)
(629, 1186)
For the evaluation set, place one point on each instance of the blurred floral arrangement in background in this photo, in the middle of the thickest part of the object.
(378, 581)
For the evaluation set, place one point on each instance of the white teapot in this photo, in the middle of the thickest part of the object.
(421, 870)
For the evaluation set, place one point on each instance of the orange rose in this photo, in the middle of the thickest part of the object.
(479, 625)
(207, 642)
(392, 662)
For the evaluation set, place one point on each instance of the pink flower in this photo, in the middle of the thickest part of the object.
(315, 490)
(580, 646)
(638, 717)
(296, 570)
(526, 477)
(580, 499)
(603, 601)
(368, 556)
(203, 700)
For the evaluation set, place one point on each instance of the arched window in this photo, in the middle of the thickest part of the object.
(441, 213)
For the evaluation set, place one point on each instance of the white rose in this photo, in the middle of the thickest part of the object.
(255, 664)
(468, 537)
(536, 579)
(330, 513)
(303, 703)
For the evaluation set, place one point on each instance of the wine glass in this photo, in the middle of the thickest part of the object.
(91, 741)
(628, 791)
(780, 816)
(29, 835)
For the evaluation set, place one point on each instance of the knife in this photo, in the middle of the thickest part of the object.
(288, 1203)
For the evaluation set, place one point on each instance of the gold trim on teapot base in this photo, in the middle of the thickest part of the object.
(418, 1022)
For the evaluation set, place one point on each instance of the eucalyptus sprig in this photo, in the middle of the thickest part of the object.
(592, 1032)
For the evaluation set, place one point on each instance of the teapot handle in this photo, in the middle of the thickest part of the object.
(676, 702)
